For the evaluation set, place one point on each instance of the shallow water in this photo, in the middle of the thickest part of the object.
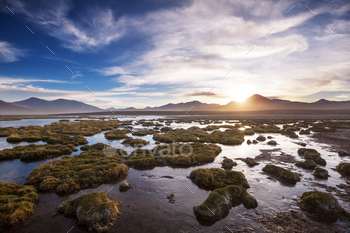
(145, 207)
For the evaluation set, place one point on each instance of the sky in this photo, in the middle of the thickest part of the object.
(153, 52)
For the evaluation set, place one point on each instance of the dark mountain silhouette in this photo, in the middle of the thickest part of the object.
(182, 106)
(59, 104)
(13, 109)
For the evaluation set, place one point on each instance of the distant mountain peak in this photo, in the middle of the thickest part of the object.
(322, 101)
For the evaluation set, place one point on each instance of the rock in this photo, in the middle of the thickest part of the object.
(255, 142)
(321, 173)
(94, 210)
(170, 197)
(213, 178)
(261, 138)
(219, 202)
(269, 137)
(168, 177)
(343, 153)
(125, 186)
(312, 154)
(272, 143)
(227, 164)
(249, 142)
(282, 174)
(304, 132)
(323, 205)
(307, 164)
(344, 169)
(249, 161)
(293, 222)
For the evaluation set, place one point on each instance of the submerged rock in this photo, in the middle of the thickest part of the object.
(213, 178)
(261, 138)
(227, 164)
(125, 186)
(94, 210)
(170, 197)
(282, 174)
(321, 173)
(343, 153)
(219, 202)
(249, 142)
(323, 205)
(249, 161)
(307, 164)
(272, 143)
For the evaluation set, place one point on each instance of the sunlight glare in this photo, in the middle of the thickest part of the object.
(241, 92)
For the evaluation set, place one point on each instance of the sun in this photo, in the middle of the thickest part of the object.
(241, 92)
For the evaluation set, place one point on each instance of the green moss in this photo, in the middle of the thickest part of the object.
(35, 152)
(227, 164)
(321, 173)
(97, 146)
(282, 174)
(94, 210)
(143, 132)
(17, 203)
(249, 161)
(307, 164)
(117, 134)
(214, 178)
(87, 170)
(135, 142)
(322, 204)
(344, 169)
(195, 134)
(304, 132)
(312, 154)
(221, 200)
(178, 154)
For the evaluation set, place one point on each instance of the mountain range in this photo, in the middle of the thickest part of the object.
(254, 103)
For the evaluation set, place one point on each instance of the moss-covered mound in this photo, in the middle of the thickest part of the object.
(35, 152)
(178, 154)
(312, 154)
(17, 203)
(282, 174)
(214, 178)
(323, 205)
(261, 138)
(321, 173)
(71, 174)
(344, 169)
(219, 202)
(97, 146)
(94, 210)
(144, 132)
(195, 134)
(249, 161)
(307, 164)
(135, 142)
(117, 134)
(59, 132)
(228, 164)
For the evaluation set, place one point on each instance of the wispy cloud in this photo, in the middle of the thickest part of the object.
(7, 80)
(8, 53)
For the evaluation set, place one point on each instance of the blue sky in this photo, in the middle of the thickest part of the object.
(149, 53)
